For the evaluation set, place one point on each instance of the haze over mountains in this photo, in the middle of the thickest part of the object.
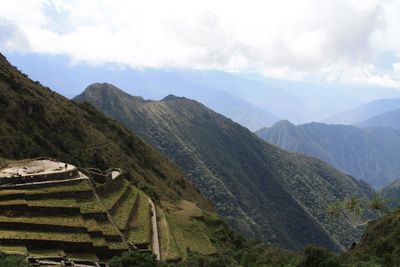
(251, 100)
(359, 114)
(370, 154)
(263, 191)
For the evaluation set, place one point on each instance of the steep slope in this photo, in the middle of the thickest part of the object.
(265, 192)
(69, 80)
(380, 244)
(35, 121)
(368, 154)
(391, 194)
(389, 119)
(364, 112)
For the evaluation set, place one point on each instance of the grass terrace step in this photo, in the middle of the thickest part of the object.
(99, 241)
(46, 253)
(109, 200)
(122, 213)
(6, 234)
(63, 224)
(13, 249)
(139, 226)
(61, 191)
(82, 257)
(117, 245)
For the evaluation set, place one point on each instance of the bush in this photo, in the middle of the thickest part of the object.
(149, 191)
(12, 261)
(319, 257)
(133, 259)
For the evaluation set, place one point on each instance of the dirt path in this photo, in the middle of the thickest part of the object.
(155, 244)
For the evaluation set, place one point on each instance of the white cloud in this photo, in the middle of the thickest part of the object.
(332, 39)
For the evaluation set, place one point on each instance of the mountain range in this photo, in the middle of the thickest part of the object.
(364, 112)
(390, 119)
(265, 192)
(369, 154)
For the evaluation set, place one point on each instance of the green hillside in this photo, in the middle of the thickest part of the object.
(264, 192)
(36, 122)
(368, 154)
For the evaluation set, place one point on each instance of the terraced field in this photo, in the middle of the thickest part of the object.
(53, 220)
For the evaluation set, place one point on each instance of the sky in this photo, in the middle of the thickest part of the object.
(346, 41)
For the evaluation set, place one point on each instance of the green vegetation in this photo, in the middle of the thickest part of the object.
(13, 249)
(370, 154)
(121, 214)
(139, 231)
(261, 190)
(169, 248)
(80, 187)
(12, 261)
(43, 235)
(110, 199)
(46, 253)
(130, 259)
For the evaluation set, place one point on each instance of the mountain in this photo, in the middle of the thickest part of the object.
(263, 191)
(379, 245)
(368, 154)
(248, 99)
(37, 122)
(364, 112)
(390, 119)
(391, 194)
(151, 83)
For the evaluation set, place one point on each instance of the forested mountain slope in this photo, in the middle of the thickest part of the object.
(265, 192)
(368, 154)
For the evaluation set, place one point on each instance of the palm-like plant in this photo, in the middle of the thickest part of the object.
(377, 204)
(353, 205)
(334, 210)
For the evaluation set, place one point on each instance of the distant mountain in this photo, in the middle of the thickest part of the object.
(391, 194)
(368, 154)
(389, 119)
(364, 112)
(246, 98)
(263, 191)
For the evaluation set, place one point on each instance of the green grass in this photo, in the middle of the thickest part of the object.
(121, 214)
(13, 249)
(51, 202)
(13, 202)
(99, 241)
(73, 221)
(188, 232)
(90, 206)
(79, 187)
(117, 245)
(168, 248)
(107, 228)
(82, 256)
(38, 235)
(46, 253)
(110, 199)
(140, 229)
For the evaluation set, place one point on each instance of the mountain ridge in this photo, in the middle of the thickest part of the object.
(368, 154)
(214, 152)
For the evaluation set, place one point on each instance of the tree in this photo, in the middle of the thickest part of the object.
(133, 259)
